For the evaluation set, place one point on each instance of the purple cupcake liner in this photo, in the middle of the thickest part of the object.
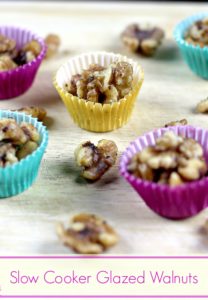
(17, 81)
(171, 202)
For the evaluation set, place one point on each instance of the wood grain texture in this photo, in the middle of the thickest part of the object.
(170, 91)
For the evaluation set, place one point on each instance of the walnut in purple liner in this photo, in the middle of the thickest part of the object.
(16, 77)
(173, 160)
(144, 40)
(174, 202)
(11, 57)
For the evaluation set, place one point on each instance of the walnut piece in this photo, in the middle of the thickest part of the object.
(34, 111)
(202, 106)
(173, 160)
(16, 141)
(102, 85)
(87, 234)
(53, 43)
(197, 33)
(12, 57)
(96, 160)
(176, 123)
(144, 40)
(6, 63)
(6, 44)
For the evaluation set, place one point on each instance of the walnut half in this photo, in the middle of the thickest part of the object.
(96, 160)
(87, 234)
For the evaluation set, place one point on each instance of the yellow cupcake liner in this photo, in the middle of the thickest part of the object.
(95, 116)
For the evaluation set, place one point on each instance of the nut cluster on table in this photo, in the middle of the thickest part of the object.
(87, 234)
(16, 141)
(141, 39)
(173, 160)
(96, 160)
(102, 85)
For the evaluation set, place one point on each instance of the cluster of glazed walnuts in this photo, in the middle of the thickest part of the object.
(197, 33)
(102, 85)
(16, 141)
(173, 160)
(11, 57)
(144, 40)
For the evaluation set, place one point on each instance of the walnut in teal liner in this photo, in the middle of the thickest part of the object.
(195, 56)
(18, 177)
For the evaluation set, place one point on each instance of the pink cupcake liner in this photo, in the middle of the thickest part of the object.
(17, 81)
(171, 202)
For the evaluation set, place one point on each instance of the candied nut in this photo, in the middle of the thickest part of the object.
(7, 154)
(6, 63)
(168, 141)
(86, 154)
(193, 169)
(202, 107)
(175, 179)
(143, 40)
(102, 85)
(191, 149)
(26, 149)
(173, 160)
(176, 123)
(30, 131)
(32, 46)
(96, 160)
(197, 33)
(6, 44)
(35, 111)
(52, 42)
(88, 234)
(10, 130)
(166, 160)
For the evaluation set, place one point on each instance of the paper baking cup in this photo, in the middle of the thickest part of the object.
(195, 56)
(18, 177)
(95, 116)
(171, 202)
(17, 81)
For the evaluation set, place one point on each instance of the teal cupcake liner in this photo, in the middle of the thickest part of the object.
(195, 56)
(20, 176)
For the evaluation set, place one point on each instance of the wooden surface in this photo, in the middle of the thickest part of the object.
(170, 91)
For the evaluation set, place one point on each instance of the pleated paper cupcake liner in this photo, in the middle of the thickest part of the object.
(15, 82)
(171, 202)
(195, 56)
(95, 116)
(20, 176)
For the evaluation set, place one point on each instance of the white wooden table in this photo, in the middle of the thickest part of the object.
(170, 91)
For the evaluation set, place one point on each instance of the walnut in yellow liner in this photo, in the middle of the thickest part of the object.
(96, 116)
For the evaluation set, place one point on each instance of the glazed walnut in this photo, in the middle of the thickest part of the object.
(12, 57)
(34, 111)
(6, 63)
(6, 44)
(52, 42)
(7, 154)
(88, 234)
(16, 141)
(173, 160)
(197, 33)
(142, 40)
(102, 85)
(96, 160)
(202, 107)
(177, 123)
